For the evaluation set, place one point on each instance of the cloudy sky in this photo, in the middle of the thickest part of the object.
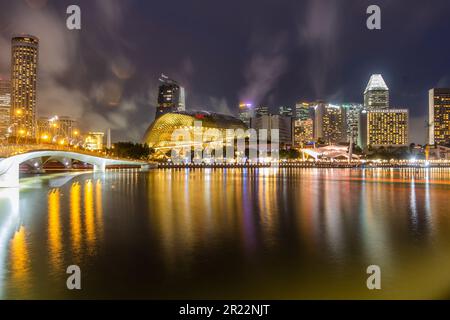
(273, 52)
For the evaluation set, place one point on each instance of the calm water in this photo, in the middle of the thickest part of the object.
(228, 233)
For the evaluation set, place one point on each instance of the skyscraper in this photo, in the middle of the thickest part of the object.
(383, 128)
(261, 110)
(171, 97)
(376, 95)
(302, 132)
(24, 66)
(5, 106)
(439, 116)
(329, 123)
(286, 111)
(302, 111)
(352, 111)
(246, 113)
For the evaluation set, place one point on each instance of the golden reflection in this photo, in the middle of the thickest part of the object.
(99, 207)
(89, 213)
(75, 217)
(54, 229)
(20, 263)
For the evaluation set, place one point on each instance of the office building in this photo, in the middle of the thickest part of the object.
(302, 132)
(383, 128)
(94, 141)
(376, 95)
(286, 111)
(439, 116)
(352, 111)
(171, 97)
(246, 113)
(261, 110)
(329, 124)
(5, 106)
(303, 111)
(272, 122)
(24, 66)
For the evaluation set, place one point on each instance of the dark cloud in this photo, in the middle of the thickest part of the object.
(271, 52)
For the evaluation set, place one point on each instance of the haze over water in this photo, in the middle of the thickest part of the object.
(228, 233)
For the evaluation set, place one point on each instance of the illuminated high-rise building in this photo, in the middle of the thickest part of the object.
(24, 66)
(5, 106)
(329, 123)
(352, 111)
(57, 129)
(303, 111)
(302, 132)
(439, 116)
(286, 111)
(376, 95)
(94, 141)
(246, 113)
(261, 110)
(383, 128)
(171, 97)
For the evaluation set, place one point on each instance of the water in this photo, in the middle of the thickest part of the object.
(228, 233)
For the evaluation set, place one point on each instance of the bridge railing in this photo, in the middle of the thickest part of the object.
(13, 149)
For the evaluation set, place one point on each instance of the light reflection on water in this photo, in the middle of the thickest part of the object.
(229, 233)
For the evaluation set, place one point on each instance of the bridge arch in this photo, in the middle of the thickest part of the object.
(9, 167)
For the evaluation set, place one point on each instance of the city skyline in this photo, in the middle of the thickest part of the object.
(131, 78)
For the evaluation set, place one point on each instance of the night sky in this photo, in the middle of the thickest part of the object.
(272, 52)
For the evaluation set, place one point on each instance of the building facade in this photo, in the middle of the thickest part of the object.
(329, 124)
(439, 116)
(376, 95)
(303, 111)
(285, 111)
(5, 106)
(171, 97)
(275, 122)
(57, 129)
(94, 141)
(383, 128)
(302, 132)
(246, 113)
(352, 111)
(24, 66)
(261, 110)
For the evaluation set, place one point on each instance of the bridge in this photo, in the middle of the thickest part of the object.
(11, 157)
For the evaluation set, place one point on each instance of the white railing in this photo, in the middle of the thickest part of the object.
(12, 150)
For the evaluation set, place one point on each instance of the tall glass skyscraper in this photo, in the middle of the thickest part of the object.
(376, 95)
(24, 65)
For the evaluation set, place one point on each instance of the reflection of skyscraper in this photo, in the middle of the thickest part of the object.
(24, 62)
(439, 116)
(376, 95)
(5, 105)
(171, 97)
